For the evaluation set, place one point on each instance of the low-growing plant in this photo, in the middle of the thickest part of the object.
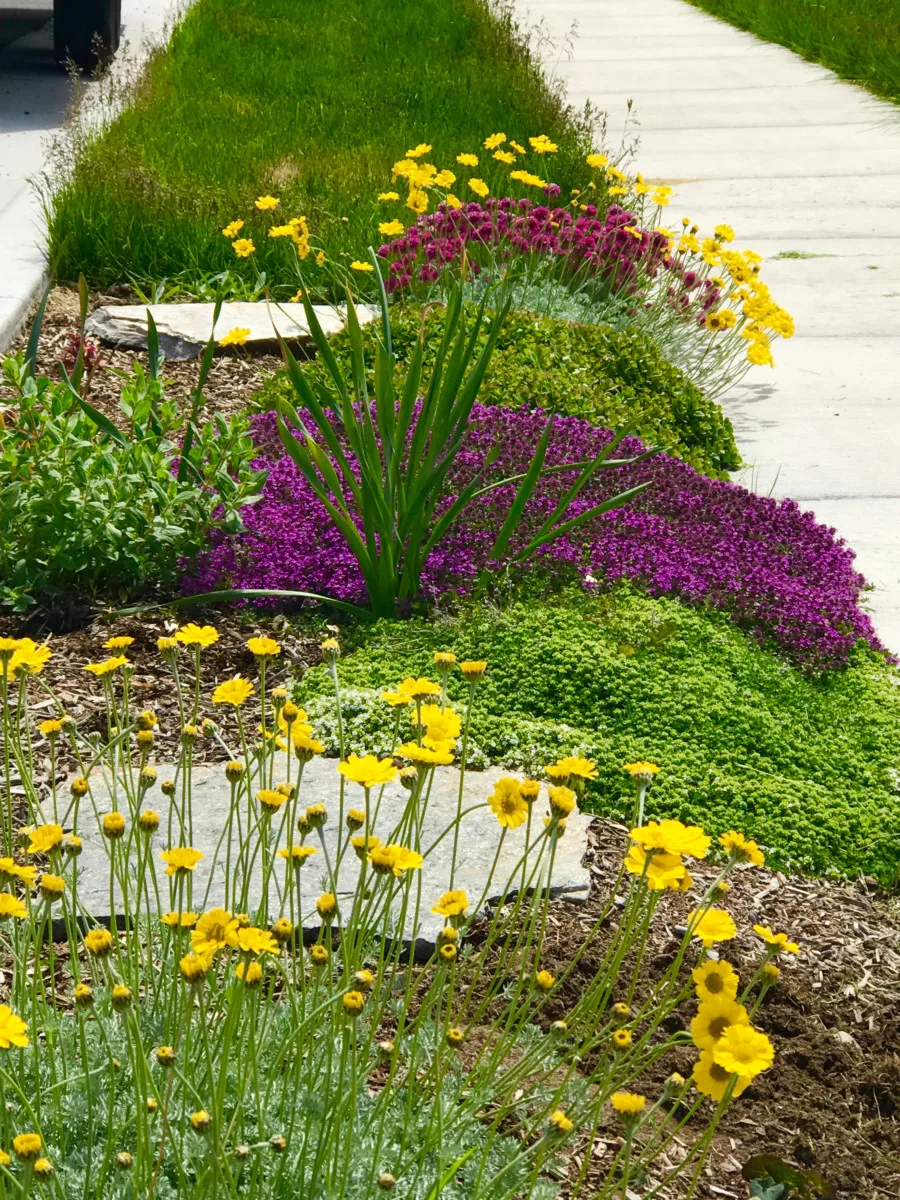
(245, 1025)
(742, 738)
(610, 377)
(788, 580)
(93, 508)
(770, 1178)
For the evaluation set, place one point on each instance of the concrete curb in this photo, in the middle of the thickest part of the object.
(27, 275)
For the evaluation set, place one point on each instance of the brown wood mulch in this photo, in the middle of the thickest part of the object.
(236, 374)
(831, 1102)
(152, 685)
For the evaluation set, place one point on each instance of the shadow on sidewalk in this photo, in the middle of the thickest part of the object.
(34, 91)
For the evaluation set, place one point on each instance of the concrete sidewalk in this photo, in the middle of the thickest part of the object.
(34, 97)
(796, 161)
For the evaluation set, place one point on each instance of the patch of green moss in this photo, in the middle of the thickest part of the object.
(805, 765)
(609, 377)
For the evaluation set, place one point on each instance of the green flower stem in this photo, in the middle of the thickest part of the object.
(463, 760)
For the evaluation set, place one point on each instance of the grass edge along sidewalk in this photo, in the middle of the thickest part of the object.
(857, 39)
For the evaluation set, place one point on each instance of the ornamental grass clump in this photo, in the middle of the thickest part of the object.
(379, 463)
(257, 1030)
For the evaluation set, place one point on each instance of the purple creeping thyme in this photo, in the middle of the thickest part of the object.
(779, 573)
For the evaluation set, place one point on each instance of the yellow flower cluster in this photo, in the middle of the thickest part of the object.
(420, 178)
(22, 654)
(762, 317)
(732, 1052)
(297, 229)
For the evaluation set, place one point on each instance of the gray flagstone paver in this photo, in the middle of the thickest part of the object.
(478, 843)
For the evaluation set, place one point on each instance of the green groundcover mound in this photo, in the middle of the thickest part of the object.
(613, 378)
(805, 765)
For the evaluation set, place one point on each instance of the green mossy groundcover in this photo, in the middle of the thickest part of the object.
(609, 377)
(805, 765)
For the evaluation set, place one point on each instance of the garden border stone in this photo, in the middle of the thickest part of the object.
(184, 329)
(479, 840)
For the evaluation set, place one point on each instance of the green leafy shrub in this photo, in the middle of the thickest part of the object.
(743, 739)
(610, 377)
(89, 509)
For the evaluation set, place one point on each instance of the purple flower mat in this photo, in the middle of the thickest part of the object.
(781, 575)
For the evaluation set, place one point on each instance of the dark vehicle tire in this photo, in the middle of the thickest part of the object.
(86, 32)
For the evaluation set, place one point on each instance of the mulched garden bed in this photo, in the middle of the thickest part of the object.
(235, 375)
(831, 1102)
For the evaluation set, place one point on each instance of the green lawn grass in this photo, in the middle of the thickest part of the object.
(859, 39)
(805, 765)
(311, 102)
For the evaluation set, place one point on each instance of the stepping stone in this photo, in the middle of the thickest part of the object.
(184, 329)
(210, 803)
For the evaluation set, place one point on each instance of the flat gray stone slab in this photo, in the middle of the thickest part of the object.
(478, 842)
(184, 329)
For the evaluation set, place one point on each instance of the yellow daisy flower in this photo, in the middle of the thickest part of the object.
(713, 1080)
(713, 979)
(713, 1018)
(180, 859)
(742, 1050)
(235, 337)
(197, 635)
(234, 692)
(779, 940)
(12, 1029)
(507, 803)
(715, 925)
(452, 904)
(368, 771)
